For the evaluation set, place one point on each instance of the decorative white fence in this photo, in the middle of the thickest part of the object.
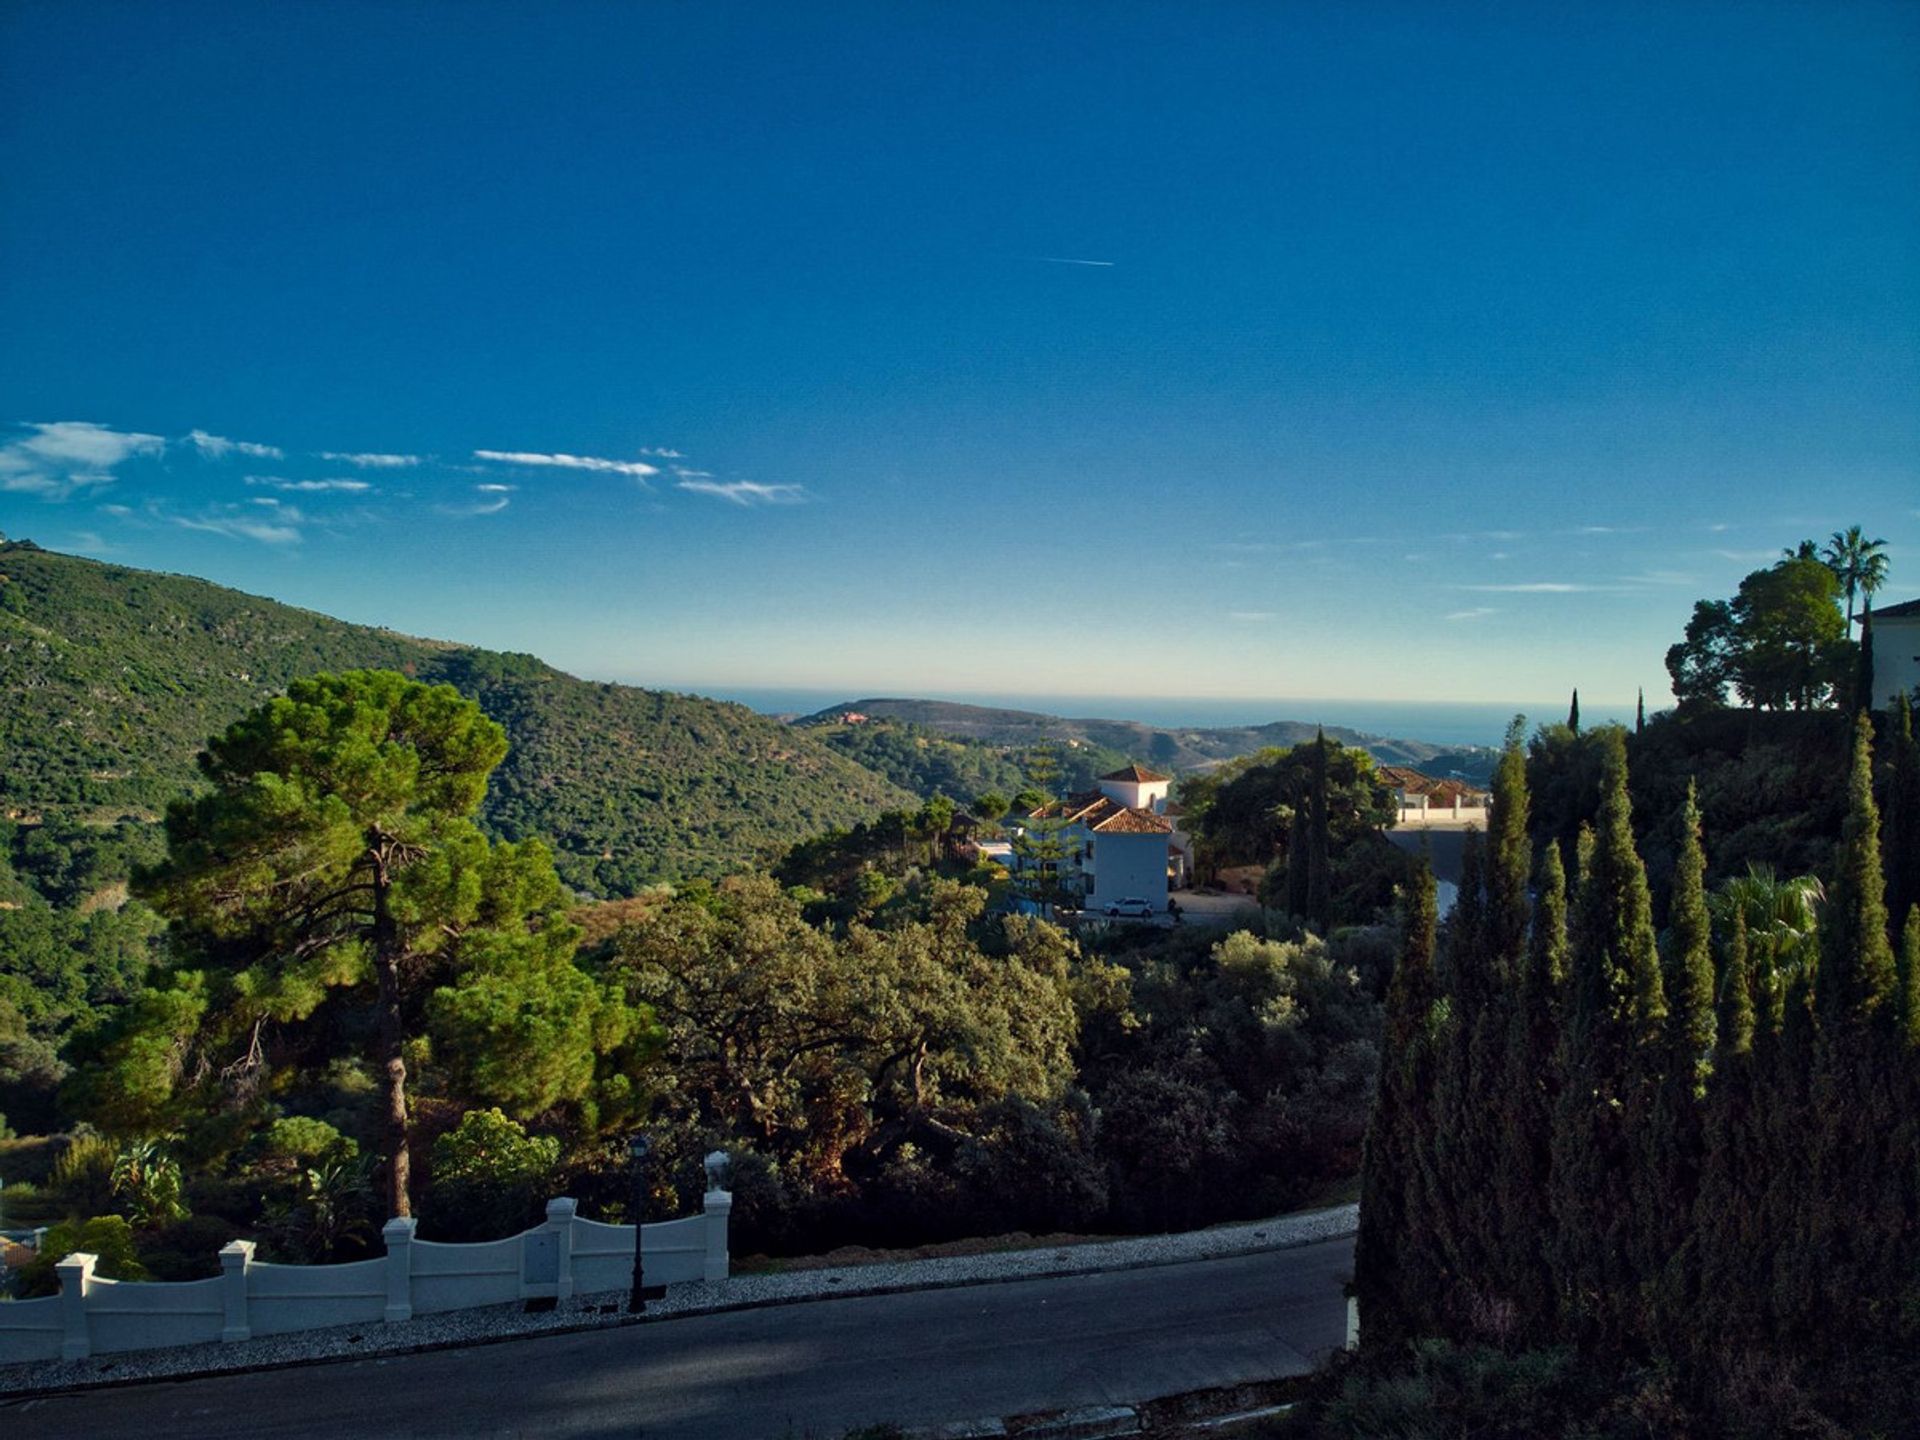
(566, 1256)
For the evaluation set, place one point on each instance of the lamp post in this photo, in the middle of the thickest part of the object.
(639, 1148)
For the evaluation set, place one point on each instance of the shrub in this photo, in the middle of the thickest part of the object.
(107, 1236)
(489, 1177)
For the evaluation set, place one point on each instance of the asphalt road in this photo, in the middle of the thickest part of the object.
(800, 1372)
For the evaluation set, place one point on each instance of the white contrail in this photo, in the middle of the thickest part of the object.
(1068, 260)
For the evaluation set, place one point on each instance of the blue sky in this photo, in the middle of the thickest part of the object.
(1431, 352)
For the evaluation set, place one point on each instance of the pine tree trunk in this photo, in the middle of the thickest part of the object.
(392, 1039)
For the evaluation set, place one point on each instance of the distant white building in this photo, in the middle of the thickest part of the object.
(1120, 841)
(1896, 652)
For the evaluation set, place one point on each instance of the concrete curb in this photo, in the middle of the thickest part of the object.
(1054, 1271)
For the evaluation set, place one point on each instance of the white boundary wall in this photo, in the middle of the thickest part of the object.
(566, 1256)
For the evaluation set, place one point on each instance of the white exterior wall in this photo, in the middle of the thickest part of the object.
(1127, 867)
(564, 1257)
(130, 1315)
(460, 1277)
(1896, 658)
(1137, 794)
(283, 1298)
(30, 1330)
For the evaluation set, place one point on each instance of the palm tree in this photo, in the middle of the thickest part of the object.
(1783, 928)
(1859, 562)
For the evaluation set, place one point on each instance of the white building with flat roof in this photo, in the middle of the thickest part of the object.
(1896, 652)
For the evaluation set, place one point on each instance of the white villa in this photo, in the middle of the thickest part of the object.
(1896, 651)
(1121, 839)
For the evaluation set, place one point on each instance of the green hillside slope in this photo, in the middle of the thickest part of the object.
(1175, 748)
(111, 679)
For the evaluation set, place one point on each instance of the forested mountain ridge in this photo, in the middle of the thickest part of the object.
(112, 679)
(1177, 748)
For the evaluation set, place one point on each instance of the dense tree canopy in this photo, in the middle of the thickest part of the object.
(334, 862)
(1780, 643)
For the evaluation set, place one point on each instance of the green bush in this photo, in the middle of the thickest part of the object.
(107, 1236)
(489, 1178)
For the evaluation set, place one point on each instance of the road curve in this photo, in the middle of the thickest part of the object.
(801, 1372)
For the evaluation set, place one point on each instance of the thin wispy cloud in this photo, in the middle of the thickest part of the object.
(1478, 612)
(63, 456)
(1539, 587)
(494, 489)
(1745, 556)
(1661, 577)
(236, 524)
(493, 505)
(311, 487)
(1609, 530)
(685, 474)
(90, 542)
(636, 469)
(370, 460)
(1072, 260)
(219, 447)
(661, 452)
(747, 492)
(1470, 535)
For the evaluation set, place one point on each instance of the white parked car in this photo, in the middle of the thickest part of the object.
(1132, 905)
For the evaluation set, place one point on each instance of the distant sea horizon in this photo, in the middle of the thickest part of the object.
(1438, 722)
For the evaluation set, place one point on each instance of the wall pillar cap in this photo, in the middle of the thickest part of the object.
(561, 1207)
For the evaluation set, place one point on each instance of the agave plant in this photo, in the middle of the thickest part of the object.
(146, 1180)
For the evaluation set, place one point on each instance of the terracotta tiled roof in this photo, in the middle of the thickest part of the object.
(1104, 816)
(1136, 774)
(1133, 820)
(1412, 782)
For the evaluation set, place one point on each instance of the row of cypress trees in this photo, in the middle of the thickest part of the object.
(1676, 1145)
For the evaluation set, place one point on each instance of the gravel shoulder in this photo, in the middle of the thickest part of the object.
(495, 1323)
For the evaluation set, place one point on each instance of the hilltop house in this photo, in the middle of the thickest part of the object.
(1896, 651)
(1118, 841)
(1423, 800)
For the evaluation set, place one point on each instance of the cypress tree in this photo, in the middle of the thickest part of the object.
(1910, 984)
(1395, 1271)
(1672, 1141)
(1299, 861)
(1320, 868)
(1573, 712)
(1856, 1192)
(1901, 837)
(1509, 860)
(1533, 1084)
(1690, 971)
(1459, 1163)
(1498, 1097)
(1728, 1246)
(1856, 957)
(1616, 1007)
(1640, 712)
(1863, 697)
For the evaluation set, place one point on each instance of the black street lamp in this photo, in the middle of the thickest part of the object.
(639, 1148)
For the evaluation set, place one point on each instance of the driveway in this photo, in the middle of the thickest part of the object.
(786, 1373)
